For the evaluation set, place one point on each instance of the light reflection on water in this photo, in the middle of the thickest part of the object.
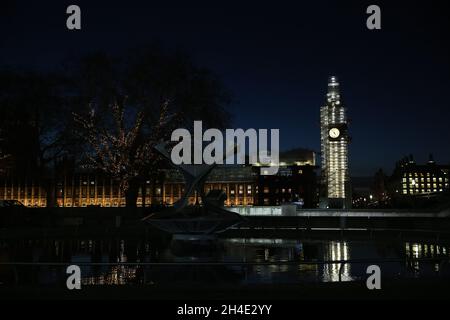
(337, 251)
(227, 250)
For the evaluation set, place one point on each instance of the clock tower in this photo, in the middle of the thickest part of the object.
(335, 181)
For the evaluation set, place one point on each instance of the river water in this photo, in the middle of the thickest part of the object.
(224, 261)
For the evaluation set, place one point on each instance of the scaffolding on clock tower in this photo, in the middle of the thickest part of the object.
(334, 139)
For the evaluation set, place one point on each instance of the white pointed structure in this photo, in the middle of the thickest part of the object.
(334, 138)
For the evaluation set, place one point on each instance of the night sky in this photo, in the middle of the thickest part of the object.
(275, 58)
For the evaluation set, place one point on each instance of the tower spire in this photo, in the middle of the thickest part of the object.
(333, 93)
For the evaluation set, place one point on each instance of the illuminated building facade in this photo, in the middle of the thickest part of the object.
(82, 190)
(240, 184)
(411, 179)
(295, 182)
(336, 191)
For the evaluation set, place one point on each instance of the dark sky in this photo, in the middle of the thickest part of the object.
(275, 57)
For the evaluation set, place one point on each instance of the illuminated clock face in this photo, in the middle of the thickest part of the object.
(334, 133)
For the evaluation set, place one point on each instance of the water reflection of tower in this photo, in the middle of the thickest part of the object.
(335, 251)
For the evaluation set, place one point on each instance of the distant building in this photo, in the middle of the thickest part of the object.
(334, 138)
(242, 184)
(361, 191)
(237, 182)
(380, 187)
(90, 189)
(296, 181)
(412, 179)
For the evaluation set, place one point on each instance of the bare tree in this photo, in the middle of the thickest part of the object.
(36, 114)
(124, 149)
(120, 134)
(3, 156)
